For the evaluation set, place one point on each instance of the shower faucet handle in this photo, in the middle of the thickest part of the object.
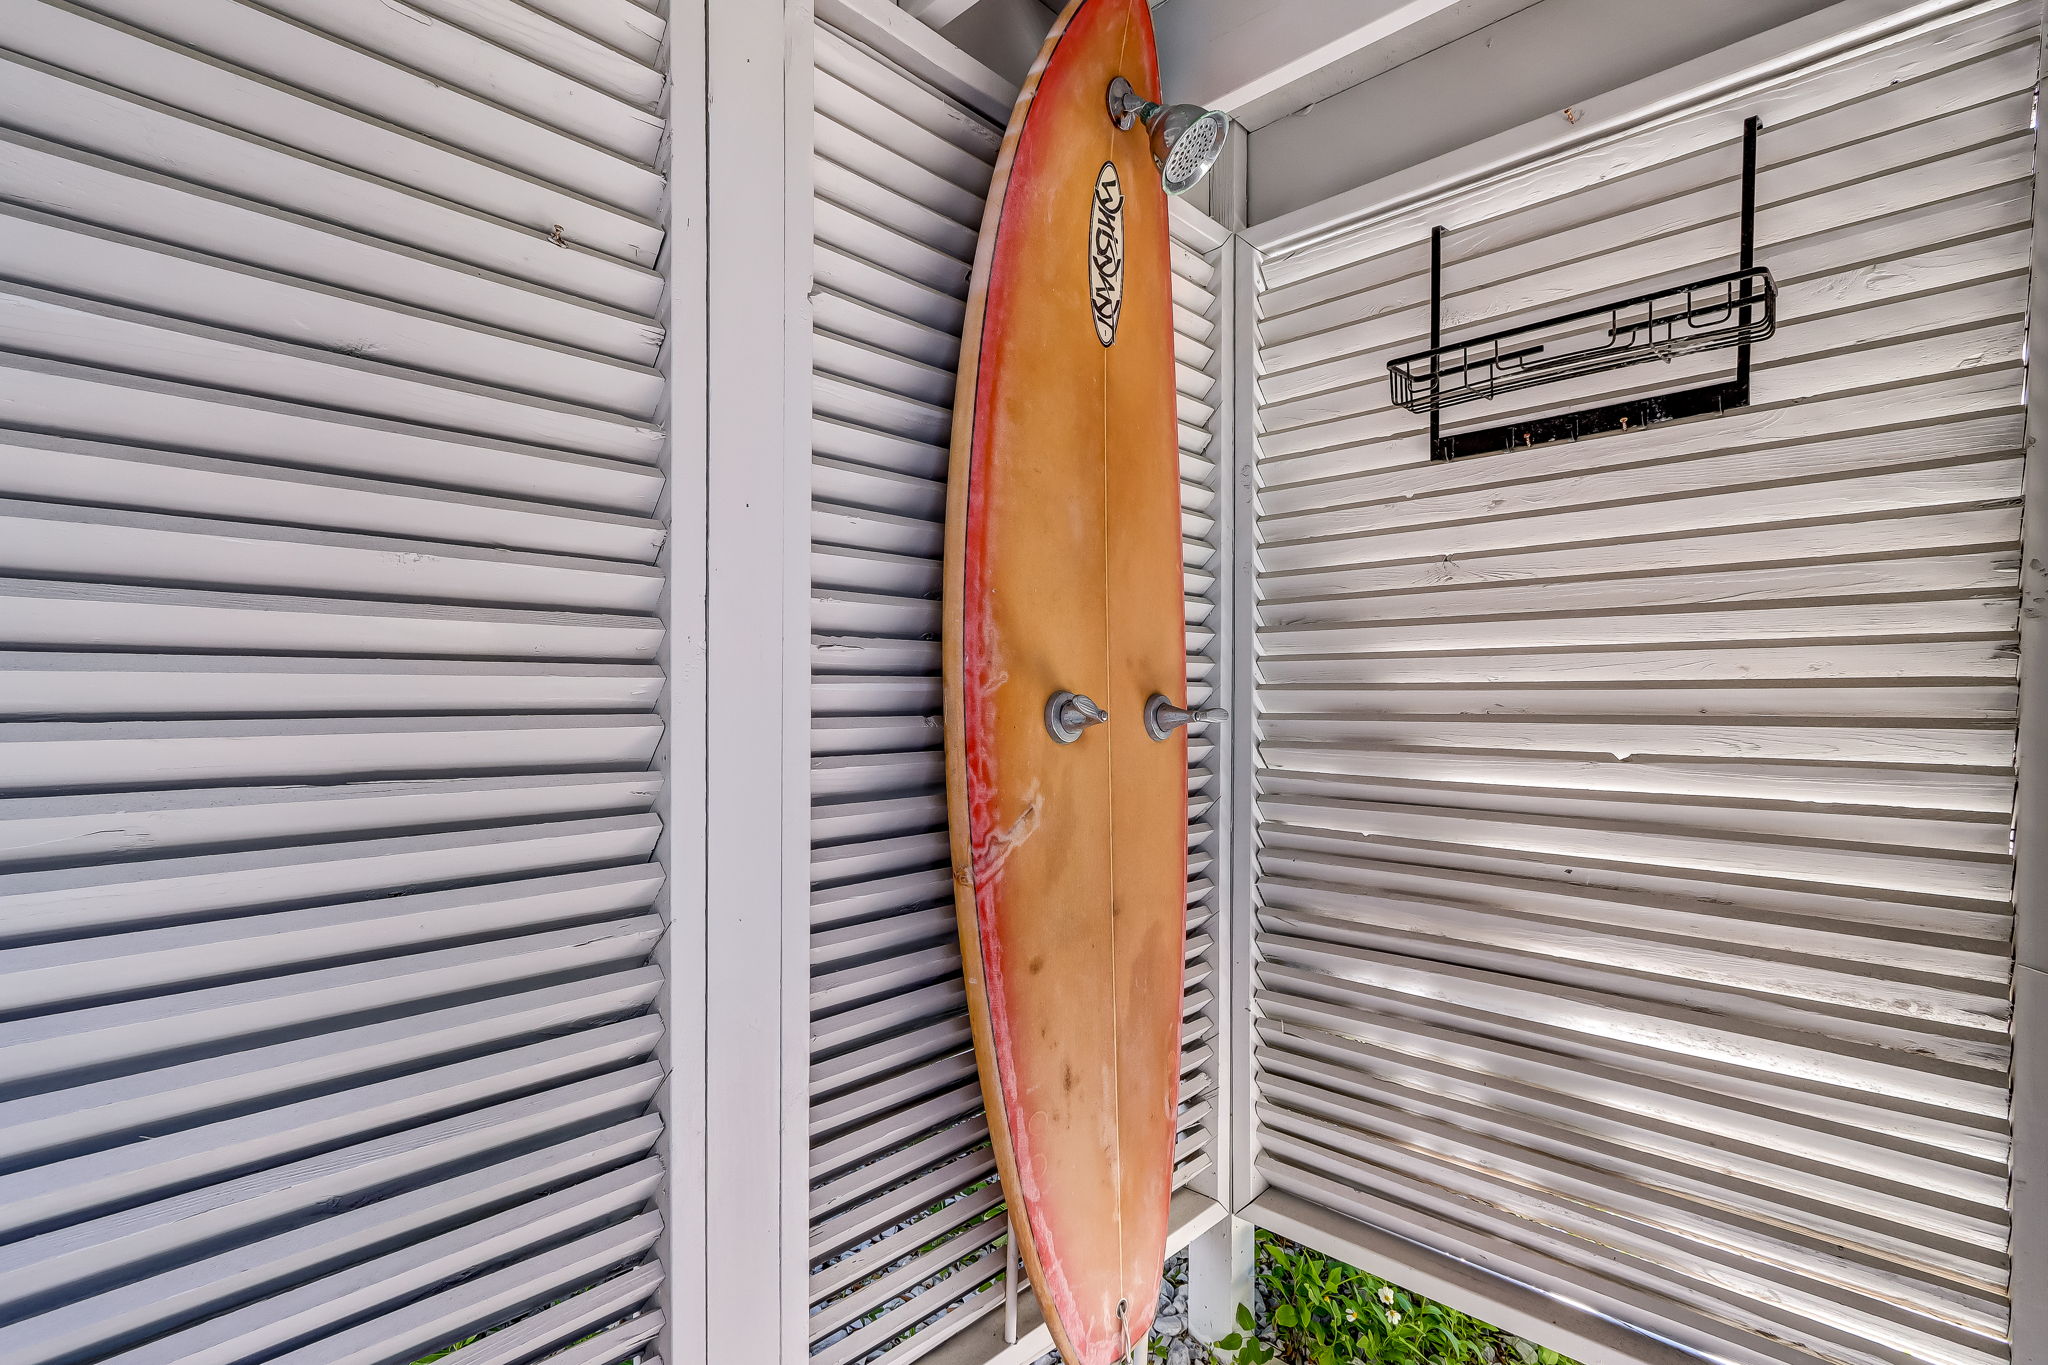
(1162, 717)
(1067, 714)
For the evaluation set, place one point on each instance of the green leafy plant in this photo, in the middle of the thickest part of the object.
(1324, 1312)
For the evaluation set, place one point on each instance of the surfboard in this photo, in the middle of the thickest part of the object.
(1063, 576)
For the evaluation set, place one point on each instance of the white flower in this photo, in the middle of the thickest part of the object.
(1350, 1316)
(1387, 1295)
(1393, 1318)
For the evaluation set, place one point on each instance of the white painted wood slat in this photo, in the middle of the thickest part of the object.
(325, 73)
(127, 198)
(329, 441)
(334, 165)
(1635, 814)
(266, 313)
(528, 30)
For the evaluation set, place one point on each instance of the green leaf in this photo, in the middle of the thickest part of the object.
(1245, 1318)
(1546, 1356)
(1285, 1316)
(1327, 1356)
(1230, 1343)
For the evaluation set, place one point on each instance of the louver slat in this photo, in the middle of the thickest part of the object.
(1635, 814)
(907, 1223)
(327, 718)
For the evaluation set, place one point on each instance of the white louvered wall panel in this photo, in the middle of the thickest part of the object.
(1634, 891)
(907, 1225)
(327, 462)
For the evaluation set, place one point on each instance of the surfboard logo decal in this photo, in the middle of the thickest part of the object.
(1106, 252)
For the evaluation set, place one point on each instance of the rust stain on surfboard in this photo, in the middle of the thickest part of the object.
(1063, 572)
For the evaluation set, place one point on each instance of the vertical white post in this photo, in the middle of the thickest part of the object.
(2029, 1287)
(681, 953)
(1221, 1263)
(757, 676)
(1240, 631)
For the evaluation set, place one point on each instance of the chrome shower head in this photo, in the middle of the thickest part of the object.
(1186, 138)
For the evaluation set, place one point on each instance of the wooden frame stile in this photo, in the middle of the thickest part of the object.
(2029, 1196)
(756, 682)
(681, 758)
(1201, 1216)
(1222, 1263)
(1240, 639)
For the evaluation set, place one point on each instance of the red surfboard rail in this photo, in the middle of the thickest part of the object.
(1064, 575)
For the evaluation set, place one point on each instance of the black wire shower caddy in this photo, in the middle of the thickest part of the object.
(1735, 309)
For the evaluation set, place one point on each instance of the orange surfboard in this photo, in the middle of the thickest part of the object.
(1063, 577)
